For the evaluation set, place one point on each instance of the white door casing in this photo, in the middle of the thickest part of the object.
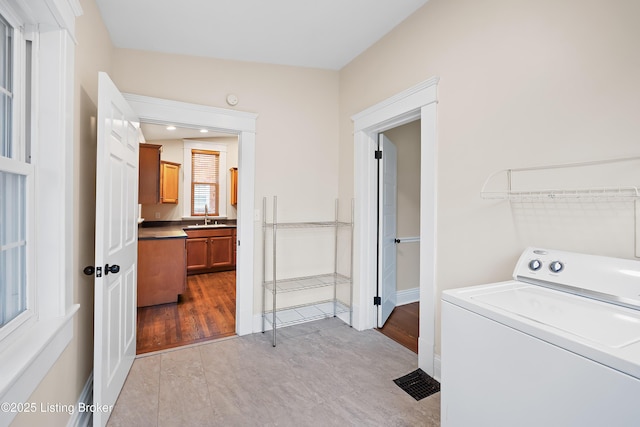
(387, 211)
(417, 102)
(116, 243)
(243, 124)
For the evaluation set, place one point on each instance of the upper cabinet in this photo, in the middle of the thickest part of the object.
(234, 186)
(169, 182)
(149, 174)
(159, 181)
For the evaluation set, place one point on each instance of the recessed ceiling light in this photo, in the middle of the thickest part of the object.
(171, 128)
(203, 131)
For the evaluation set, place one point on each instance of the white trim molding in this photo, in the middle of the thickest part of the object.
(407, 296)
(32, 350)
(40, 346)
(243, 124)
(83, 418)
(417, 102)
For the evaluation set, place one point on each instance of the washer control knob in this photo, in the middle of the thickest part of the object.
(534, 265)
(556, 267)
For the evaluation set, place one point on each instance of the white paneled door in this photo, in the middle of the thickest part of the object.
(387, 211)
(116, 247)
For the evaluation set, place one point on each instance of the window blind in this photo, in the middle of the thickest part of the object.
(204, 182)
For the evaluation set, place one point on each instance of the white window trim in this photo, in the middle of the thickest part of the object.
(190, 144)
(29, 352)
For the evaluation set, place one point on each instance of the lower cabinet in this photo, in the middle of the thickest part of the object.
(161, 270)
(210, 250)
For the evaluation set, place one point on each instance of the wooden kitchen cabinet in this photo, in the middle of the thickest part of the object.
(169, 182)
(234, 186)
(197, 254)
(210, 250)
(162, 273)
(221, 251)
(149, 174)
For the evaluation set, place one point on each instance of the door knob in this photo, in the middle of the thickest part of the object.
(111, 269)
(89, 270)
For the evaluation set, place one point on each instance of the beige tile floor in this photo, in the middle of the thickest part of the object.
(322, 373)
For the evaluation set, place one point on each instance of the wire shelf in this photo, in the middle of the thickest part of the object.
(308, 282)
(504, 180)
(287, 315)
(306, 312)
(592, 194)
(312, 224)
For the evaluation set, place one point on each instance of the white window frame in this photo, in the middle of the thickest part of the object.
(31, 348)
(189, 145)
(18, 164)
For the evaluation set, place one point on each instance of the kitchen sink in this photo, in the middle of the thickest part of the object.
(208, 226)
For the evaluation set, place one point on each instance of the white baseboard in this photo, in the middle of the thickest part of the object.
(407, 296)
(83, 419)
(436, 367)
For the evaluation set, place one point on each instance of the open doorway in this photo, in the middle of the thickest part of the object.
(417, 102)
(241, 124)
(398, 313)
(200, 300)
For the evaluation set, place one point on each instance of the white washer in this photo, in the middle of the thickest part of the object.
(557, 346)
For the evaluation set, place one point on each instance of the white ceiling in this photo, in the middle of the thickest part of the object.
(320, 33)
(153, 132)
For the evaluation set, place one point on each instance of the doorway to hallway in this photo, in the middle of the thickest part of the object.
(417, 102)
(398, 280)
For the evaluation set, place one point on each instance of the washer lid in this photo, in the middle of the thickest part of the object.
(598, 322)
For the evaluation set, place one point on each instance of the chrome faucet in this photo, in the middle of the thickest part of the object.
(206, 214)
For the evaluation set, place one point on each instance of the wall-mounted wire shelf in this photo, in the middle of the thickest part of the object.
(504, 179)
(620, 193)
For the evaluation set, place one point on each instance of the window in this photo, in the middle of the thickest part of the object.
(205, 182)
(14, 173)
(6, 87)
(205, 178)
(37, 273)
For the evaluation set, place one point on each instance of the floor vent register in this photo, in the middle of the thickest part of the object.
(418, 384)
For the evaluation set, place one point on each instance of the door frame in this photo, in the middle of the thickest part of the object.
(417, 102)
(243, 124)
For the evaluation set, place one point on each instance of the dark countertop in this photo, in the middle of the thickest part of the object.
(169, 231)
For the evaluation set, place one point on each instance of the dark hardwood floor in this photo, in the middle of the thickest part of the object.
(205, 311)
(403, 325)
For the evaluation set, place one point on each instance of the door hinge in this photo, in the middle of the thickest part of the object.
(378, 154)
(377, 301)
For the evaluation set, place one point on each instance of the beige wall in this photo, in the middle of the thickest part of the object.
(64, 383)
(521, 84)
(407, 141)
(297, 133)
